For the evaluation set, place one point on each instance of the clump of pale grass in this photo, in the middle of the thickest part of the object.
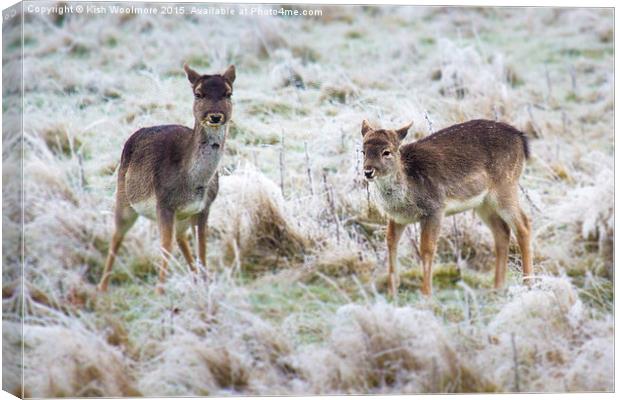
(264, 37)
(11, 214)
(216, 346)
(380, 348)
(11, 357)
(253, 222)
(591, 205)
(539, 339)
(72, 361)
(465, 73)
(292, 68)
(586, 216)
(590, 370)
(189, 367)
(339, 92)
(343, 261)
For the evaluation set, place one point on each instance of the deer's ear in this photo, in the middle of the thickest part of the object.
(192, 75)
(365, 128)
(402, 132)
(230, 74)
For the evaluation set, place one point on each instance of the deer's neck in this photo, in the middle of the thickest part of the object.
(204, 133)
(392, 184)
(207, 149)
(396, 198)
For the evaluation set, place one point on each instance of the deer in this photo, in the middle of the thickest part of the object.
(168, 174)
(472, 165)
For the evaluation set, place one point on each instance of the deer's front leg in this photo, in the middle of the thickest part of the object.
(201, 227)
(394, 232)
(165, 218)
(430, 227)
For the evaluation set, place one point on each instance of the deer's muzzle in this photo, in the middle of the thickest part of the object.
(369, 173)
(214, 119)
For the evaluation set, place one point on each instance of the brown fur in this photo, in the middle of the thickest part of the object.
(169, 173)
(473, 165)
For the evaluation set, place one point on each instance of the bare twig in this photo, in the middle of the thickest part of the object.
(537, 130)
(529, 199)
(548, 79)
(82, 178)
(333, 283)
(358, 163)
(516, 361)
(329, 191)
(434, 380)
(573, 78)
(471, 302)
(162, 323)
(282, 171)
(413, 238)
(360, 288)
(429, 122)
(309, 169)
(564, 122)
(237, 258)
(173, 312)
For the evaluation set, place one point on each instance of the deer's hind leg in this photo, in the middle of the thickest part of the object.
(524, 232)
(510, 211)
(124, 218)
(501, 236)
(165, 218)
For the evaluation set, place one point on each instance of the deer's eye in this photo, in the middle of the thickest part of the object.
(386, 153)
(198, 95)
(228, 95)
(363, 153)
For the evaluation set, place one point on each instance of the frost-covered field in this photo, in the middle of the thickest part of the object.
(296, 249)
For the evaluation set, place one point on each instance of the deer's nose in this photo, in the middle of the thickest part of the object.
(215, 118)
(369, 173)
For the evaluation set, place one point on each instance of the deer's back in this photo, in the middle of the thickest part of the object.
(461, 160)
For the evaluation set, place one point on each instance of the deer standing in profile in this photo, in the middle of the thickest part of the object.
(168, 173)
(473, 165)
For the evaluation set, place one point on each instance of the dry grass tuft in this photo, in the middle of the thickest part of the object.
(60, 141)
(231, 352)
(12, 351)
(204, 370)
(257, 231)
(546, 332)
(89, 367)
(342, 262)
(380, 348)
(341, 92)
